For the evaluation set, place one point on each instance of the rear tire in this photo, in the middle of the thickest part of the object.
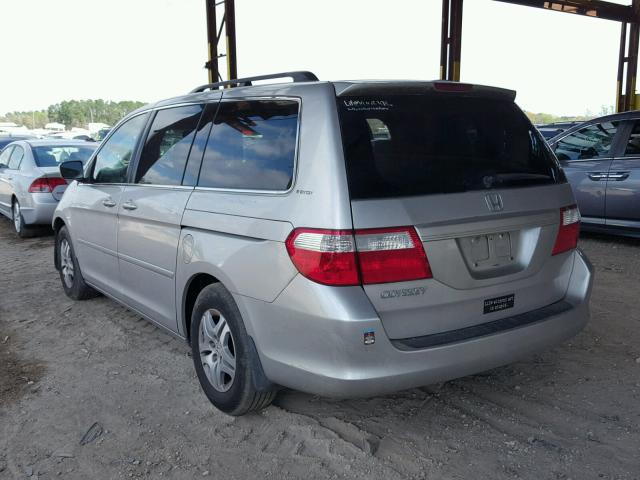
(70, 275)
(224, 356)
(19, 226)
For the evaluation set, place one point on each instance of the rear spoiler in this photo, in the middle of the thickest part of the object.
(366, 88)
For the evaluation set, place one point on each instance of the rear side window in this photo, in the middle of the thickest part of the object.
(405, 145)
(252, 146)
(633, 144)
(16, 157)
(593, 141)
(166, 149)
(112, 161)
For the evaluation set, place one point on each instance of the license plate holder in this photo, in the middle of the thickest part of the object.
(496, 304)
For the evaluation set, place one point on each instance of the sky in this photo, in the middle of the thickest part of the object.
(152, 49)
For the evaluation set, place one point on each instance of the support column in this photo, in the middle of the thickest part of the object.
(451, 40)
(214, 34)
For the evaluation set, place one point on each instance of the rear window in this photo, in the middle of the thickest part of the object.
(405, 145)
(52, 156)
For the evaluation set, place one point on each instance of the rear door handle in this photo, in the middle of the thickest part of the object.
(129, 205)
(596, 176)
(108, 202)
(618, 176)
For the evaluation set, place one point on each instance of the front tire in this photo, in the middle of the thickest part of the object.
(70, 275)
(223, 354)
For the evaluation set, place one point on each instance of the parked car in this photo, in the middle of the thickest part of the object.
(601, 159)
(339, 238)
(101, 134)
(551, 130)
(7, 139)
(30, 181)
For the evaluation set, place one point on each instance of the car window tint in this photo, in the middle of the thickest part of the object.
(593, 141)
(633, 145)
(16, 157)
(252, 146)
(192, 169)
(425, 144)
(166, 149)
(4, 156)
(112, 161)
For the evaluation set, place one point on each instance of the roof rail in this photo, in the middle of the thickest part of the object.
(301, 76)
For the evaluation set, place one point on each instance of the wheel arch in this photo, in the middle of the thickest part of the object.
(194, 285)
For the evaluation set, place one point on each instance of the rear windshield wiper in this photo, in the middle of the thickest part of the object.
(505, 179)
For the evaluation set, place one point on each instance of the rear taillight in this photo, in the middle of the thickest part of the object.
(391, 255)
(324, 256)
(567, 238)
(344, 257)
(46, 184)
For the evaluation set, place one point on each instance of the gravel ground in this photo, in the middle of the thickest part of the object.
(571, 412)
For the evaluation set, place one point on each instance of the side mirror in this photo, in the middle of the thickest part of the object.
(72, 170)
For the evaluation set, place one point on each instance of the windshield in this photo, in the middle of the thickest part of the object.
(401, 145)
(54, 155)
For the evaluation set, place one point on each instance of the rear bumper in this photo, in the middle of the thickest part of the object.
(311, 339)
(39, 210)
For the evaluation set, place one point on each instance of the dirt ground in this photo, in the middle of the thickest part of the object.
(571, 412)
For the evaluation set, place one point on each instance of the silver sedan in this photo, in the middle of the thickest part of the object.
(30, 181)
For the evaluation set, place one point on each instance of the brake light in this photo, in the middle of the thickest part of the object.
(46, 184)
(340, 257)
(567, 238)
(452, 87)
(324, 256)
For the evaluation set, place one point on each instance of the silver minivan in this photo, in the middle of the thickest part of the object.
(344, 239)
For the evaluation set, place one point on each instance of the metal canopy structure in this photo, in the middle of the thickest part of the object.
(627, 15)
(451, 38)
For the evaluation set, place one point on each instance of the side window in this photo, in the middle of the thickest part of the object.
(4, 157)
(112, 160)
(16, 157)
(166, 149)
(252, 146)
(593, 141)
(633, 145)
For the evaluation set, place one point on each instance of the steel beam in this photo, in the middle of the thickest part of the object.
(622, 60)
(451, 40)
(214, 34)
(232, 62)
(212, 41)
(590, 8)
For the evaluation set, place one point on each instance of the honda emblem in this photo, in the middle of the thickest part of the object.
(494, 202)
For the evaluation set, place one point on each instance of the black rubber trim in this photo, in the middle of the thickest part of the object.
(484, 329)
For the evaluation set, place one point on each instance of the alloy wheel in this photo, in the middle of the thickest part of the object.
(17, 219)
(66, 263)
(217, 350)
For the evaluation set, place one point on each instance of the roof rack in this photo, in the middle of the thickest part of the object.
(301, 76)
